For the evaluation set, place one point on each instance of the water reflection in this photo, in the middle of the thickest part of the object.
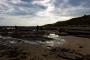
(58, 40)
(55, 40)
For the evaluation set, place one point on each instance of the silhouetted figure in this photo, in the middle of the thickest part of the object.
(15, 27)
(37, 28)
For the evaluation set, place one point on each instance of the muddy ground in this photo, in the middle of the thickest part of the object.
(74, 48)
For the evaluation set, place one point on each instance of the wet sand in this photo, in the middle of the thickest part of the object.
(77, 43)
(74, 48)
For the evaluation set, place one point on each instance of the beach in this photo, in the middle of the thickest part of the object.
(78, 43)
(73, 48)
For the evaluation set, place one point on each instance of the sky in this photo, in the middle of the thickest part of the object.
(40, 12)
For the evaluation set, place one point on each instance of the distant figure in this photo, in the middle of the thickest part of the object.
(15, 28)
(37, 28)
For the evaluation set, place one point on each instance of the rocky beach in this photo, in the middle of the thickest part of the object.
(73, 48)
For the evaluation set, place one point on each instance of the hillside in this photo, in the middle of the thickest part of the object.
(79, 21)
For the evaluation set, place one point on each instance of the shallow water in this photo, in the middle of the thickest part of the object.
(56, 40)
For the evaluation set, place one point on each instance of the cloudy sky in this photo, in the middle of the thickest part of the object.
(40, 12)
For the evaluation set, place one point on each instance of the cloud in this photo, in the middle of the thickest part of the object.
(28, 21)
(71, 7)
(18, 7)
(39, 12)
